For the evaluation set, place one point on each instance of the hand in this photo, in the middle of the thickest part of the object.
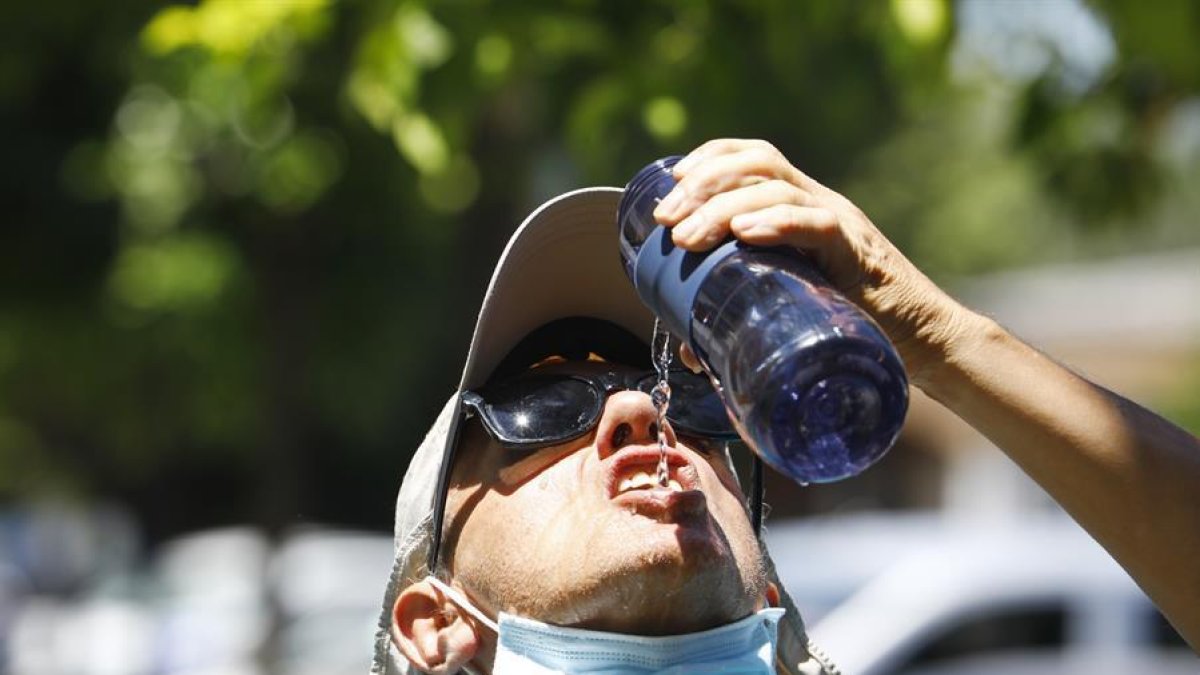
(747, 188)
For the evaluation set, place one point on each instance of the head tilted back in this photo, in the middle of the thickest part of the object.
(559, 274)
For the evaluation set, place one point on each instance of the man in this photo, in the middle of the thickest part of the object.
(534, 498)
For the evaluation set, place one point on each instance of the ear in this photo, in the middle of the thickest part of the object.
(430, 631)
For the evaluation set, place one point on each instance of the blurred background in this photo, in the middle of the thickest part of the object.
(244, 242)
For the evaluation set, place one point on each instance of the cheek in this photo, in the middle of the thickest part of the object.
(720, 479)
(523, 545)
(727, 479)
(726, 501)
(507, 524)
(490, 549)
(729, 509)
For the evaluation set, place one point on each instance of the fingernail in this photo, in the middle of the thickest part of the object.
(667, 207)
(685, 229)
(685, 164)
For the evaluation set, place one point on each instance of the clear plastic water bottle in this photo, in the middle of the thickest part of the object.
(811, 381)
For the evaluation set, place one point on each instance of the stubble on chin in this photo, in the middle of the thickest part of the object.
(637, 588)
(607, 569)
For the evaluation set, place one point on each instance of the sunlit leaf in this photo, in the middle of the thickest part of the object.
(493, 55)
(427, 43)
(298, 173)
(453, 188)
(421, 142)
(226, 27)
(665, 117)
(675, 44)
(562, 35)
(180, 273)
(923, 22)
(172, 28)
(156, 189)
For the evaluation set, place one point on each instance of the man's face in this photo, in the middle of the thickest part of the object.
(573, 535)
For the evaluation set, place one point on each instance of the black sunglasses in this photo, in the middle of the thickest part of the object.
(536, 410)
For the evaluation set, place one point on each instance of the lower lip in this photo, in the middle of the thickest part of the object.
(664, 505)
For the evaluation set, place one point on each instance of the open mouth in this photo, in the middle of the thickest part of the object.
(636, 469)
(642, 480)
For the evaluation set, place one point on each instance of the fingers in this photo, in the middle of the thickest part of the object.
(799, 226)
(816, 230)
(716, 148)
(708, 224)
(747, 188)
(724, 178)
(723, 168)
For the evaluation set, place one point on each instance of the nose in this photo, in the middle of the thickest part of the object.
(629, 418)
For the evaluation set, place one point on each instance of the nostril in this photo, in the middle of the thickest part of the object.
(621, 434)
(629, 419)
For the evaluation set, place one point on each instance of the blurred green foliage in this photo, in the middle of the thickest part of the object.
(245, 239)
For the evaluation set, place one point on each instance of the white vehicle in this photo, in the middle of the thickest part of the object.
(929, 594)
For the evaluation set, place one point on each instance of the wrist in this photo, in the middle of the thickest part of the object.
(956, 337)
(937, 336)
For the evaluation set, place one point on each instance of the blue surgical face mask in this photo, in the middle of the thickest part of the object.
(528, 647)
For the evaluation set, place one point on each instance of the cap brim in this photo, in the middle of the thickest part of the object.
(562, 261)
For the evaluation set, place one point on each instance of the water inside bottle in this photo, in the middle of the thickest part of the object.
(660, 353)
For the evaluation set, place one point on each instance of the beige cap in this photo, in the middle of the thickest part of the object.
(562, 261)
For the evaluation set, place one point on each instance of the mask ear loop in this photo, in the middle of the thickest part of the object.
(463, 603)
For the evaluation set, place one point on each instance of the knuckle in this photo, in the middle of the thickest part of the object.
(785, 192)
(775, 154)
(770, 162)
(704, 212)
(720, 203)
(761, 156)
(704, 183)
(787, 215)
(774, 193)
(701, 221)
(719, 145)
(826, 222)
(765, 146)
(686, 188)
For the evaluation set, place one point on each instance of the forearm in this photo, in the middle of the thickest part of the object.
(1126, 475)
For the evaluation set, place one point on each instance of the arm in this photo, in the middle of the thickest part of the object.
(1130, 478)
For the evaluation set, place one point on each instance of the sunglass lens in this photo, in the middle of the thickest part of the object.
(541, 409)
(695, 405)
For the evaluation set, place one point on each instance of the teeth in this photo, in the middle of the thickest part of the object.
(644, 480)
(637, 481)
